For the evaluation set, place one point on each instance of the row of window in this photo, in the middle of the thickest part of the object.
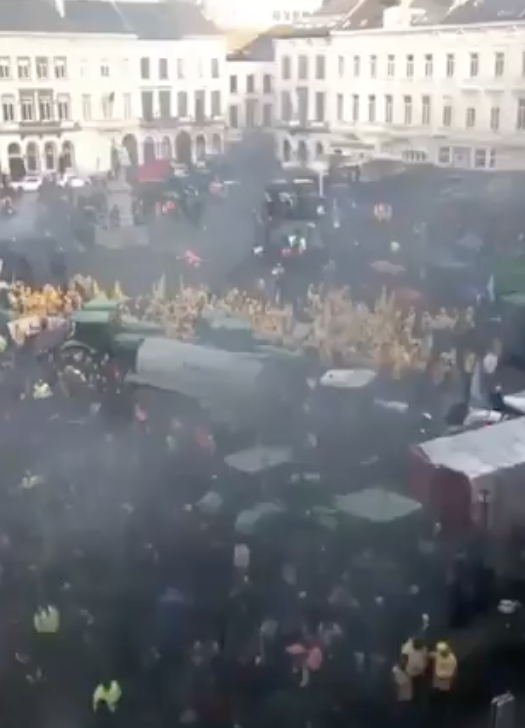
(467, 157)
(301, 110)
(108, 107)
(457, 156)
(32, 107)
(391, 66)
(411, 65)
(163, 68)
(254, 114)
(251, 85)
(47, 158)
(303, 68)
(373, 109)
(25, 68)
(39, 107)
(159, 105)
(40, 67)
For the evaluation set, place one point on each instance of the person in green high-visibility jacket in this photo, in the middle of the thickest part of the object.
(46, 620)
(108, 694)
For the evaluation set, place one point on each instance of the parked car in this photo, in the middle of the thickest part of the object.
(71, 180)
(27, 184)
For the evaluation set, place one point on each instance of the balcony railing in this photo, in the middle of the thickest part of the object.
(49, 126)
(176, 121)
(303, 126)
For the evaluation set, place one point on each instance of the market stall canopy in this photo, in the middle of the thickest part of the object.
(347, 378)
(250, 522)
(377, 505)
(219, 320)
(102, 303)
(210, 504)
(484, 456)
(221, 380)
(256, 460)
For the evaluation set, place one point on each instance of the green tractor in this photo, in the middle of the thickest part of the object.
(100, 331)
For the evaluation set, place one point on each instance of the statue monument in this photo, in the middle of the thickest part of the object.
(119, 189)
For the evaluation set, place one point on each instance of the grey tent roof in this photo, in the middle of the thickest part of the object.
(221, 320)
(258, 459)
(247, 521)
(195, 371)
(481, 453)
(146, 20)
(377, 505)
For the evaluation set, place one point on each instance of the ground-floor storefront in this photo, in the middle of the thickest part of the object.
(457, 152)
(92, 151)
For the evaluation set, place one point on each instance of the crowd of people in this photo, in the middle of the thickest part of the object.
(327, 322)
(128, 596)
(135, 590)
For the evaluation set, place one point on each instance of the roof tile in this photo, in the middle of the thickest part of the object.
(151, 21)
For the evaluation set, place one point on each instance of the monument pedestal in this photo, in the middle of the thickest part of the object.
(120, 194)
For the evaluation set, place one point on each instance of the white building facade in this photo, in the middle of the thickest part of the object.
(251, 87)
(73, 99)
(449, 95)
(182, 90)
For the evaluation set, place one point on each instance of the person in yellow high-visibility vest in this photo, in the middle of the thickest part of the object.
(107, 694)
(445, 668)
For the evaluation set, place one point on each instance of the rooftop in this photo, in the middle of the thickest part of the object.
(485, 11)
(348, 15)
(147, 20)
(337, 7)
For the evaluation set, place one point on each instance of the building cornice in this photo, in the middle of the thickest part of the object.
(69, 36)
(426, 29)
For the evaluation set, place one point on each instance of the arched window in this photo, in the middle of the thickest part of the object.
(150, 154)
(183, 148)
(302, 152)
(200, 148)
(14, 150)
(287, 151)
(165, 148)
(32, 158)
(216, 144)
(15, 160)
(68, 155)
(50, 156)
